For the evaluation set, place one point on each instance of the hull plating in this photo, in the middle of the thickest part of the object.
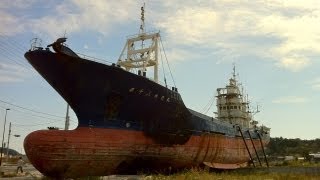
(96, 151)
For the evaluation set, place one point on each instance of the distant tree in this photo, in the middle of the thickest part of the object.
(279, 146)
(11, 152)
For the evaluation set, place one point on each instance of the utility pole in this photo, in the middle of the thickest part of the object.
(4, 129)
(8, 142)
(66, 125)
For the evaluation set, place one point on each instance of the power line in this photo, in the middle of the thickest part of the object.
(13, 52)
(6, 54)
(39, 124)
(17, 50)
(12, 48)
(22, 47)
(34, 115)
(38, 116)
(31, 109)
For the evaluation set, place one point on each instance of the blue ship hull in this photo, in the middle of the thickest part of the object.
(108, 97)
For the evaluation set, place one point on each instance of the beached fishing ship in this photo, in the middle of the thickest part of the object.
(128, 120)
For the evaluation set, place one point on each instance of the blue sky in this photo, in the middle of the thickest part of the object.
(274, 44)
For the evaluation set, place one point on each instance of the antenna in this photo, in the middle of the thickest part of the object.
(141, 31)
(242, 91)
(257, 110)
(234, 71)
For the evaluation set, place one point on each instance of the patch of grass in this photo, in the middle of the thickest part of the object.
(90, 178)
(7, 175)
(301, 163)
(83, 178)
(195, 174)
(295, 163)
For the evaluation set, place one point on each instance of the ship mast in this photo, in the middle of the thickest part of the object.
(133, 57)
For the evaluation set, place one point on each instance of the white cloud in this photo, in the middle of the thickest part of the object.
(71, 16)
(80, 15)
(299, 36)
(316, 86)
(191, 25)
(290, 100)
(294, 63)
(9, 24)
(277, 30)
(17, 4)
(315, 83)
(177, 55)
(283, 31)
(294, 4)
(12, 73)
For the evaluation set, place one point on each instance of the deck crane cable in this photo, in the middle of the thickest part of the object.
(162, 65)
(209, 106)
(206, 108)
(165, 55)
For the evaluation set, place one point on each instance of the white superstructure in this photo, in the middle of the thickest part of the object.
(232, 106)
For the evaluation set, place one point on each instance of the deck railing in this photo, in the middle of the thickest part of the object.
(91, 58)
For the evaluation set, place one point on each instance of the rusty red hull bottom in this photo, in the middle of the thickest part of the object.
(98, 151)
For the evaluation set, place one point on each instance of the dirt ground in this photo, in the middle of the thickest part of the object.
(9, 172)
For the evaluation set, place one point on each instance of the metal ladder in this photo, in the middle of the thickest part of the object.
(265, 156)
(244, 141)
(254, 147)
